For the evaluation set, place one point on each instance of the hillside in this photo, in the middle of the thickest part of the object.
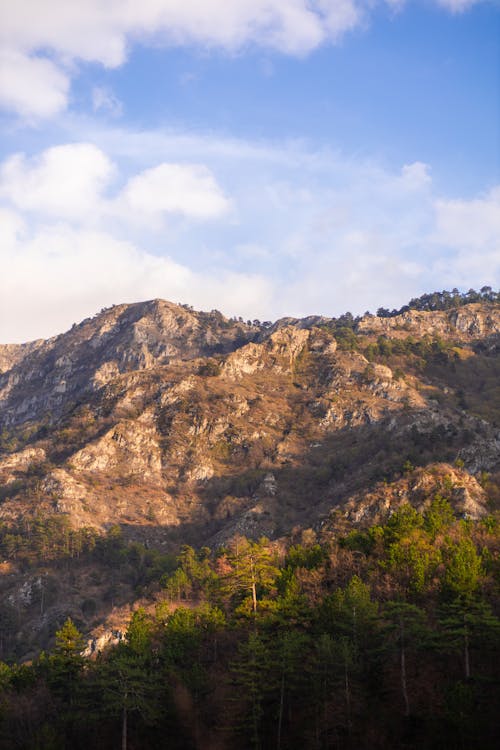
(340, 479)
(175, 426)
(184, 425)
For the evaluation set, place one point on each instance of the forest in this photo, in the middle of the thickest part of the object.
(343, 638)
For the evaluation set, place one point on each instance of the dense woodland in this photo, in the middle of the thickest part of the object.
(375, 638)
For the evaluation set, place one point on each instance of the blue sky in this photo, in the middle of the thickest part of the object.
(264, 157)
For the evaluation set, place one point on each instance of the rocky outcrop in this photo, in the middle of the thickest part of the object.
(102, 641)
(21, 462)
(472, 321)
(311, 321)
(418, 488)
(278, 353)
(12, 354)
(483, 454)
(130, 447)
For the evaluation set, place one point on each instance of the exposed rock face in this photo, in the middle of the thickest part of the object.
(418, 489)
(12, 354)
(311, 321)
(41, 379)
(129, 447)
(20, 461)
(278, 353)
(483, 455)
(472, 321)
(99, 643)
(172, 422)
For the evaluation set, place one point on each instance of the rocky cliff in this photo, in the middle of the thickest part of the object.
(474, 321)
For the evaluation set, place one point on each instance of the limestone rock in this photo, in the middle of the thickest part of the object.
(468, 322)
(418, 489)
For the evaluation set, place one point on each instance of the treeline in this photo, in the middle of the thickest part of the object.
(443, 301)
(52, 539)
(377, 638)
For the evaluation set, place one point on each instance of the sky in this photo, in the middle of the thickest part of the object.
(260, 157)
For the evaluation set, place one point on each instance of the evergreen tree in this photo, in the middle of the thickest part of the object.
(463, 569)
(253, 568)
(128, 679)
(405, 626)
(251, 675)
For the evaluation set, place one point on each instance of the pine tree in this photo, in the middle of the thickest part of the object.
(406, 628)
(251, 675)
(467, 625)
(128, 680)
(253, 568)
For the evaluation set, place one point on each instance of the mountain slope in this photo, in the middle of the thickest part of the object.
(177, 423)
(159, 424)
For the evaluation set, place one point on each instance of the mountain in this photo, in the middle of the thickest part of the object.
(161, 418)
(175, 426)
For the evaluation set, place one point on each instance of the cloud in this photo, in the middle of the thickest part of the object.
(187, 189)
(63, 181)
(304, 231)
(71, 181)
(94, 30)
(35, 84)
(470, 232)
(104, 100)
(99, 31)
(11, 227)
(31, 86)
(416, 175)
(61, 275)
(469, 224)
(458, 6)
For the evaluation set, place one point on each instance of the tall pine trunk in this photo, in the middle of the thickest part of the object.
(124, 727)
(404, 687)
(282, 701)
(466, 650)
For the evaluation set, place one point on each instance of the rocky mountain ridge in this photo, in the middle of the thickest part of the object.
(38, 378)
(41, 377)
(161, 418)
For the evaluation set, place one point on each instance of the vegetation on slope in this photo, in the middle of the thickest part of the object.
(375, 638)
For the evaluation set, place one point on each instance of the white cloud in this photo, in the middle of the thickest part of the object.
(102, 31)
(104, 100)
(363, 274)
(341, 16)
(63, 181)
(458, 6)
(62, 275)
(99, 31)
(470, 231)
(416, 175)
(304, 232)
(11, 227)
(187, 189)
(93, 30)
(472, 224)
(31, 86)
(71, 181)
